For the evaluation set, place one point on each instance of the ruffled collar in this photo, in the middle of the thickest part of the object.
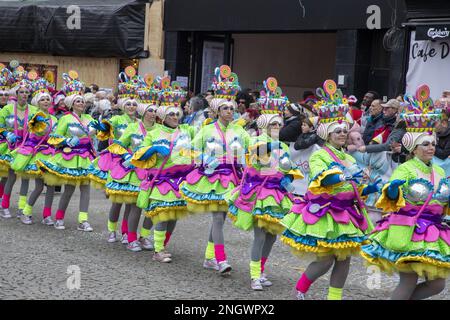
(128, 118)
(168, 129)
(222, 126)
(422, 166)
(21, 108)
(339, 153)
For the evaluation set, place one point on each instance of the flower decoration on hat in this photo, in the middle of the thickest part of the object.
(421, 117)
(129, 83)
(149, 93)
(170, 97)
(6, 78)
(420, 113)
(72, 85)
(225, 83)
(19, 75)
(332, 108)
(272, 103)
(272, 100)
(171, 94)
(38, 85)
(332, 105)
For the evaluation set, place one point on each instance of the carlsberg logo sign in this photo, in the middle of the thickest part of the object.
(438, 33)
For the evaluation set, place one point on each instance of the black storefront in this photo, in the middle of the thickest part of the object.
(427, 28)
(363, 58)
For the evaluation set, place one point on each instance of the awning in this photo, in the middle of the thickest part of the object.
(420, 9)
(276, 15)
(103, 28)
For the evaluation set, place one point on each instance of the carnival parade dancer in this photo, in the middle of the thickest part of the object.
(262, 199)
(6, 79)
(14, 127)
(412, 239)
(124, 180)
(331, 221)
(219, 150)
(36, 147)
(166, 152)
(106, 162)
(71, 164)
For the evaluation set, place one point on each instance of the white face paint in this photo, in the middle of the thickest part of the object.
(273, 130)
(337, 134)
(172, 116)
(425, 147)
(336, 125)
(130, 107)
(45, 102)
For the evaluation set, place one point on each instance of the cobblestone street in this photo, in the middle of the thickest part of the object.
(35, 261)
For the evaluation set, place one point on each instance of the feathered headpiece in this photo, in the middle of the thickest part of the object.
(420, 113)
(38, 85)
(72, 86)
(332, 108)
(225, 84)
(170, 97)
(129, 83)
(171, 94)
(6, 78)
(420, 116)
(19, 75)
(272, 103)
(149, 93)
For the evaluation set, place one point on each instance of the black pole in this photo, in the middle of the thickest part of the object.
(227, 49)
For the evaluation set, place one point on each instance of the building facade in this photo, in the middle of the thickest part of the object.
(96, 38)
(302, 43)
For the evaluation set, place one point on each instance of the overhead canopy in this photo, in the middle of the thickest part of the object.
(107, 28)
(275, 15)
(420, 9)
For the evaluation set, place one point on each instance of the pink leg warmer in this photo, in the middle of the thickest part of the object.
(132, 236)
(167, 239)
(5, 201)
(263, 263)
(303, 284)
(219, 250)
(60, 214)
(124, 226)
(47, 212)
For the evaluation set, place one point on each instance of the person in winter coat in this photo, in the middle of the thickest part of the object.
(443, 141)
(374, 121)
(291, 129)
(389, 133)
(308, 137)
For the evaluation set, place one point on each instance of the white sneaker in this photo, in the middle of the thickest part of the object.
(6, 214)
(146, 244)
(211, 264)
(59, 225)
(134, 246)
(256, 285)
(85, 226)
(224, 268)
(124, 239)
(165, 253)
(48, 221)
(112, 237)
(19, 214)
(26, 219)
(160, 257)
(298, 295)
(264, 281)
